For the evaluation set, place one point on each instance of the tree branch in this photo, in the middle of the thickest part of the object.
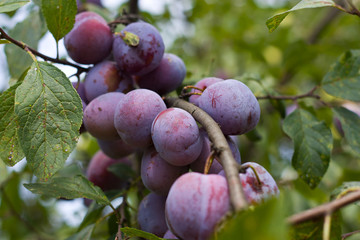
(221, 148)
(322, 210)
(309, 94)
(4, 35)
(133, 7)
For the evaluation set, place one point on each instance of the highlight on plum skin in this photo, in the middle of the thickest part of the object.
(176, 136)
(97, 172)
(157, 174)
(106, 77)
(143, 58)
(90, 41)
(134, 115)
(99, 116)
(232, 105)
(166, 77)
(195, 205)
(151, 214)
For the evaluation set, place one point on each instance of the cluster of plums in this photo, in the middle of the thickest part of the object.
(124, 110)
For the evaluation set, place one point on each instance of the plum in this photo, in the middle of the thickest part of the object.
(90, 40)
(115, 148)
(195, 204)
(202, 84)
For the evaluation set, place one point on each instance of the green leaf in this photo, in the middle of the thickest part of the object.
(59, 16)
(313, 230)
(350, 123)
(11, 5)
(133, 232)
(10, 150)
(93, 214)
(28, 31)
(84, 234)
(345, 188)
(3, 41)
(129, 38)
(343, 79)
(264, 222)
(273, 22)
(69, 187)
(121, 170)
(50, 115)
(313, 145)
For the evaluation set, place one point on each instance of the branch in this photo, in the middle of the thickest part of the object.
(221, 148)
(322, 210)
(133, 7)
(22, 45)
(346, 235)
(309, 94)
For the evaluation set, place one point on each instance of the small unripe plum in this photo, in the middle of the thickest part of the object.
(98, 173)
(143, 58)
(90, 40)
(166, 77)
(157, 174)
(134, 115)
(199, 164)
(232, 105)
(202, 84)
(176, 137)
(106, 77)
(195, 204)
(99, 116)
(259, 189)
(151, 214)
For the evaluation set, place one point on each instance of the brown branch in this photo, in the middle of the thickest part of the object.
(221, 148)
(322, 210)
(4, 35)
(309, 94)
(346, 235)
(133, 7)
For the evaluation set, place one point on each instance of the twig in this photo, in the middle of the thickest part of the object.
(346, 235)
(327, 226)
(309, 94)
(221, 148)
(323, 209)
(133, 7)
(22, 45)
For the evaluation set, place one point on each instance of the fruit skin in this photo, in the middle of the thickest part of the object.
(195, 204)
(151, 214)
(232, 105)
(166, 77)
(99, 116)
(176, 137)
(143, 58)
(157, 174)
(90, 40)
(199, 164)
(202, 84)
(257, 192)
(115, 148)
(80, 89)
(106, 77)
(169, 235)
(98, 174)
(134, 115)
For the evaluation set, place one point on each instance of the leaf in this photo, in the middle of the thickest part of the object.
(343, 79)
(28, 31)
(345, 188)
(59, 16)
(313, 230)
(133, 232)
(84, 234)
(50, 115)
(121, 170)
(93, 214)
(350, 123)
(312, 143)
(69, 187)
(273, 22)
(246, 225)
(11, 5)
(129, 38)
(10, 150)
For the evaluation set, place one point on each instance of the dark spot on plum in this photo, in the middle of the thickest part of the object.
(100, 109)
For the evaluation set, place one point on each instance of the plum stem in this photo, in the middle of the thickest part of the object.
(255, 172)
(188, 94)
(209, 162)
(4, 35)
(221, 148)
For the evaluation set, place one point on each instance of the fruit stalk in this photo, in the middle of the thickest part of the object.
(221, 148)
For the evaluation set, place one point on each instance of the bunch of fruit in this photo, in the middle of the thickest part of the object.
(124, 110)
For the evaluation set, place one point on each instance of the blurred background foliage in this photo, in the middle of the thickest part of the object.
(227, 39)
